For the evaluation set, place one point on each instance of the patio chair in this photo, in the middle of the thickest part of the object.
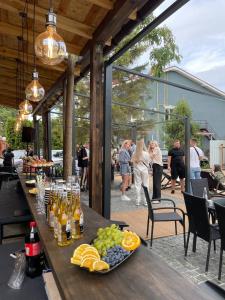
(220, 212)
(215, 187)
(199, 226)
(170, 215)
(166, 181)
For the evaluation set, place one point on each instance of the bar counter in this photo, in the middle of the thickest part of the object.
(143, 276)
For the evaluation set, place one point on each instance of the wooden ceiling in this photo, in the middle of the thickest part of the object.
(79, 22)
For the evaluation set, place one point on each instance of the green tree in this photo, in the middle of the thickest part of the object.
(57, 133)
(174, 127)
(5, 114)
(14, 138)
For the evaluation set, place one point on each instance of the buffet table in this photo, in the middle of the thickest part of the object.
(143, 276)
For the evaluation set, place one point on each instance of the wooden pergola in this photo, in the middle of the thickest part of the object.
(91, 29)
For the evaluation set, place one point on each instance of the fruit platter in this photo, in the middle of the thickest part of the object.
(107, 251)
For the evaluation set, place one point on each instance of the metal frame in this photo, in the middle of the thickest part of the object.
(107, 135)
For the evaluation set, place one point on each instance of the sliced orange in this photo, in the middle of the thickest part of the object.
(75, 261)
(131, 241)
(89, 251)
(79, 250)
(100, 265)
(88, 262)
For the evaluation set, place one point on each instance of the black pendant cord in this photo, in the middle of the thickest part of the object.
(34, 56)
(50, 4)
(27, 37)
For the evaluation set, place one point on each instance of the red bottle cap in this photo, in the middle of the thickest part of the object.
(33, 224)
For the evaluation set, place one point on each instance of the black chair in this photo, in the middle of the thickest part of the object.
(164, 216)
(166, 181)
(215, 187)
(220, 213)
(199, 226)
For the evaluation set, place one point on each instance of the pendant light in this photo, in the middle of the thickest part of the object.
(25, 107)
(34, 90)
(50, 47)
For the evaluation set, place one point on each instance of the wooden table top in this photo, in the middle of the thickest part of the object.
(143, 276)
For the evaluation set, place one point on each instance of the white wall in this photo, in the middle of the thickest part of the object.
(215, 152)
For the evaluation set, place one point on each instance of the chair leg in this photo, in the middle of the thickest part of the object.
(1, 233)
(184, 235)
(214, 245)
(147, 226)
(194, 243)
(152, 229)
(208, 255)
(176, 227)
(221, 262)
(186, 248)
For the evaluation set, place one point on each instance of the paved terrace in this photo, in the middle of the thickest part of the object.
(167, 245)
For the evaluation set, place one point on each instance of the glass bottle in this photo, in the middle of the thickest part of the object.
(33, 252)
(76, 234)
(64, 222)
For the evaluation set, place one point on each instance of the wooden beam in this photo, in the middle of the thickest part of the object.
(67, 139)
(5, 101)
(12, 30)
(133, 15)
(10, 64)
(96, 116)
(12, 53)
(64, 23)
(107, 4)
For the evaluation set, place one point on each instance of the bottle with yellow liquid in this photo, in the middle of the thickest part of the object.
(50, 209)
(56, 210)
(64, 222)
(77, 214)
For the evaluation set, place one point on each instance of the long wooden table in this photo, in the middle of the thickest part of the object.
(143, 276)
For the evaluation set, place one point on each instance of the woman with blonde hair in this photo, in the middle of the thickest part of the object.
(124, 159)
(140, 160)
(157, 167)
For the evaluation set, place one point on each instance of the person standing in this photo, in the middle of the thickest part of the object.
(176, 165)
(157, 166)
(124, 159)
(140, 160)
(8, 158)
(196, 154)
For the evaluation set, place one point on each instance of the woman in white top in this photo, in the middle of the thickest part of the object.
(140, 159)
(157, 166)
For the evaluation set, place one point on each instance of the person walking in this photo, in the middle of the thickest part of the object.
(140, 160)
(176, 165)
(124, 159)
(157, 167)
(196, 154)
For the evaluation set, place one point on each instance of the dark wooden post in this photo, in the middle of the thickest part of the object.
(47, 149)
(68, 115)
(37, 136)
(96, 134)
(64, 121)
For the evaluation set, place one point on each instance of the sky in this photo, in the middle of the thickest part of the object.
(199, 31)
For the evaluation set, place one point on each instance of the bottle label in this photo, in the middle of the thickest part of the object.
(32, 249)
(51, 218)
(68, 230)
(81, 222)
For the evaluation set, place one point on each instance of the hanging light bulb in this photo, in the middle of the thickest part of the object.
(25, 107)
(34, 90)
(18, 123)
(50, 47)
